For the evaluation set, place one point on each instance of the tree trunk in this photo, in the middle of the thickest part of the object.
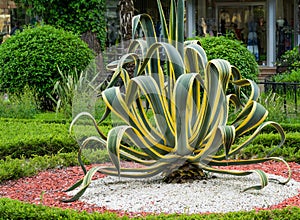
(91, 39)
(126, 13)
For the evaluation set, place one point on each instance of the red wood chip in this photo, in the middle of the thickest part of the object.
(47, 187)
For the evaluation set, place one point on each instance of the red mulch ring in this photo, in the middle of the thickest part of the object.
(47, 187)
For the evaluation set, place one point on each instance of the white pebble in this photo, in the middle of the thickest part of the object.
(221, 194)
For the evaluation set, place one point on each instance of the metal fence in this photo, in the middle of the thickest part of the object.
(287, 93)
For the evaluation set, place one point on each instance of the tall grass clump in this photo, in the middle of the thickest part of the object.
(23, 105)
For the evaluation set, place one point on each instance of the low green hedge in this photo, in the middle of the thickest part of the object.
(20, 134)
(292, 139)
(17, 168)
(287, 127)
(13, 209)
(25, 138)
(28, 137)
(266, 143)
(290, 154)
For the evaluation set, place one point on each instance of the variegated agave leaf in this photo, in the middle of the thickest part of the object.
(187, 117)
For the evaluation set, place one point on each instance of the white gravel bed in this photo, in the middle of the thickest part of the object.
(221, 194)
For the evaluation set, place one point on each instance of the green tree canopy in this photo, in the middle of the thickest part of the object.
(78, 16)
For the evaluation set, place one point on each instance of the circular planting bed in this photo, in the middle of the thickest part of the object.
(47, 188)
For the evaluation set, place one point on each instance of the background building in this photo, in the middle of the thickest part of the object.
(6, 8)
(267, 27)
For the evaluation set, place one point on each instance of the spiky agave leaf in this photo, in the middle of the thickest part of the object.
(190, 106)
(181, 137)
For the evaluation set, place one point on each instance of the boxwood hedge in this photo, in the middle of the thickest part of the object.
(13, 209)
(233, 51)
(25, 138)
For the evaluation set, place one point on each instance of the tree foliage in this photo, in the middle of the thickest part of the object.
(77, 16)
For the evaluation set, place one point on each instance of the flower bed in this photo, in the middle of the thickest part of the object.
(47, 187)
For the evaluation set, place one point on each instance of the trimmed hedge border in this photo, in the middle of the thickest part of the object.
(13, 209)
(16, 168)
(266, 143)
(30, 138)
(42, 121)
(26, 138)
(287, 127)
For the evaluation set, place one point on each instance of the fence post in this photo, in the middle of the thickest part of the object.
(292, 88)
(284, 98)
(295, 93)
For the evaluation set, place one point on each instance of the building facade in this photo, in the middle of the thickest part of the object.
(6, 7)
(267, 27)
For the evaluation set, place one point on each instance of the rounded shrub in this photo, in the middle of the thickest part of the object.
(289, 61)
(234, 52)
(33, 57)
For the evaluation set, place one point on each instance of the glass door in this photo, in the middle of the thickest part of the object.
(245, 21)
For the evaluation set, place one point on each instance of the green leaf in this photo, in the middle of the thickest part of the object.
(263, 181)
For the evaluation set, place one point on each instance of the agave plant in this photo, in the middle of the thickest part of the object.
(190, 130)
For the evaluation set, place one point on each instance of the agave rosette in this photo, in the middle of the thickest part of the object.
(189, 101)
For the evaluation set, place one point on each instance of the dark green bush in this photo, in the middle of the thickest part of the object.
(32, 57)
(81, 17)
(233, 51)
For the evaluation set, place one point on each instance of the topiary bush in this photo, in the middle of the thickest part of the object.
(233, 51)
(32, 57)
